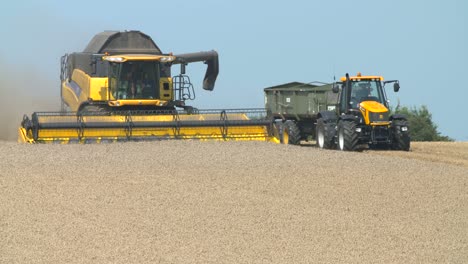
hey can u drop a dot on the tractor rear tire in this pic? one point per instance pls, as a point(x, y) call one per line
point(325, 135)
point(347, 136)
point(401, 139)
point(290, 133)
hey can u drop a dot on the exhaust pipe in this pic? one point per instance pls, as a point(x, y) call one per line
point(208, 57)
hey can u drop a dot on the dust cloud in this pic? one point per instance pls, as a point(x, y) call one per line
point(24, 90)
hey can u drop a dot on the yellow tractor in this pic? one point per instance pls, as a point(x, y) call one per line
point(362, 117)
point(350, 114)
point(120, 88)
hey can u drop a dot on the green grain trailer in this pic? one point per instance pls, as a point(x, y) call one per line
point(295, 106)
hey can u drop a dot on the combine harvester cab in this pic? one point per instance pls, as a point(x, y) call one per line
point(120, 89)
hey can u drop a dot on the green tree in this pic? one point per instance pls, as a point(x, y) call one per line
point(422, 128)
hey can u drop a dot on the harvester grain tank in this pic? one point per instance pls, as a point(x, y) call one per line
point(347, 115)
point(120, 88)
point(127, 71)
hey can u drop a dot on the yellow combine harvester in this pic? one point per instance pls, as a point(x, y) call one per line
point(120, 88)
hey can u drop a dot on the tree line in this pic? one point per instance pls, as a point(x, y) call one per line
point(422, 128)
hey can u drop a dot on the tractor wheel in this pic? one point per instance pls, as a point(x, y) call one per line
point(290, 133)
point(325, 135)
point(347, 136)
point(401, 139)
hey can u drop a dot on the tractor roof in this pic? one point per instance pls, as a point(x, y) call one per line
point(359, 77)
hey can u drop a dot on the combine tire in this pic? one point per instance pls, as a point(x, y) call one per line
point(347, 136)
point(401, 139)
point(290, 133)
point(325, 135)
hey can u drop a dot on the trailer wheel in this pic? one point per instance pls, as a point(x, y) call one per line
point(290, 133)
point(347, 136)
point(325, 135)
point(401, 137)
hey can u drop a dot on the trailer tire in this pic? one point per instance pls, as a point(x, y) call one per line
point(347, 136)
point(325, 134)
point(400, 139)
point(290, 133)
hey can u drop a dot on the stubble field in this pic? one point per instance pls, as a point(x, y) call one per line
point(232, 202)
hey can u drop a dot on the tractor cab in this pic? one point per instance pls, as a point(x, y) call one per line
point(366, 90)
point(357, 90)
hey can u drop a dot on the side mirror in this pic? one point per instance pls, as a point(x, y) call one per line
point(335, 88)
point(396, 87)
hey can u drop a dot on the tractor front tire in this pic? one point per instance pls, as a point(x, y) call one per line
point(401, 139)
point(347, 136)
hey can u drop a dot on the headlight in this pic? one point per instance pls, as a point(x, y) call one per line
point(358, 129)
point(166, 59)
point(404, 128)
point(115, 59)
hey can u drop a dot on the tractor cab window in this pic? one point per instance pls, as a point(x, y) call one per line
point(134, 80)
point(365, 90)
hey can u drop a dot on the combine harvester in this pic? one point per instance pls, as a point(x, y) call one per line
point(120, 89)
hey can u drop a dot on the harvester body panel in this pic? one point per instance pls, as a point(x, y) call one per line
point(82, 87)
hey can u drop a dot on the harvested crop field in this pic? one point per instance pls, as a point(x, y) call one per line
point(232, 202)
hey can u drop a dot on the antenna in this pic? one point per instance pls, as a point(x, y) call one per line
point(334, 75)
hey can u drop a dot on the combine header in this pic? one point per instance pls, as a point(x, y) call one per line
point(241, 124)
point(120, 89)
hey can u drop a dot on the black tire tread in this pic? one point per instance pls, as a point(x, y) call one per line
point(293, 131)
point(350, 135)
point(401, 140)
point(328, 133)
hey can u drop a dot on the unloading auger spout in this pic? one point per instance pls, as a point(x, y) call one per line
point(210, 58)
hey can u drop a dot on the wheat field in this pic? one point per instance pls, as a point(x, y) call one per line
point(232, 202)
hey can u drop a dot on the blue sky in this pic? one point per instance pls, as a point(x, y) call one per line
point(261, 43)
